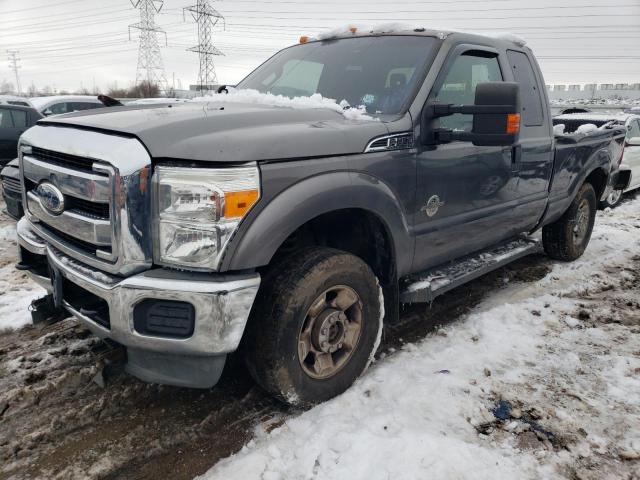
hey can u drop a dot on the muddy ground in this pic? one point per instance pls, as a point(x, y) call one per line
point(56, 421)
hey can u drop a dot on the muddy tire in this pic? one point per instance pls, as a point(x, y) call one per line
point(315, 325)
point(567, 238)
point(613, 200)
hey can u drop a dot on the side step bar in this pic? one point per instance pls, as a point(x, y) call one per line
point(426, 286)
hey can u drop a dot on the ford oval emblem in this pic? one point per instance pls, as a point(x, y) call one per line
point(51, 198)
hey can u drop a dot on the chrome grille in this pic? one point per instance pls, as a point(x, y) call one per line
point(104, 181)
point(11, 185)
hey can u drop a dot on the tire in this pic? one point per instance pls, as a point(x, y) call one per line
point(567, 238)
point(613, 200)
point(297, 310)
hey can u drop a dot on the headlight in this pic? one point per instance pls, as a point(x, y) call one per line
point(197, 211)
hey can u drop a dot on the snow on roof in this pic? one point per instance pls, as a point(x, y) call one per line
point(314, 101)
point(39, 102)
point(153, 101)
point(353, 29)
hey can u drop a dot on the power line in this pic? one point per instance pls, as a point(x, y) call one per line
point(13, 65)
point(150, 67)
point(206, 18)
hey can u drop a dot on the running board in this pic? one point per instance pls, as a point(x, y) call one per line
point(425, 286)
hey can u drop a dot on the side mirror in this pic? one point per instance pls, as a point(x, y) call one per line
point(496, 117)
point(47, 112)
point(633, 142)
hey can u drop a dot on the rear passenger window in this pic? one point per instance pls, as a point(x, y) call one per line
point(459, 85)
point(529, 92)
point(634, 129)
point(19, 118)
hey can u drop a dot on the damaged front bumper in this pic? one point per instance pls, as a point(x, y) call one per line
point(112, 307)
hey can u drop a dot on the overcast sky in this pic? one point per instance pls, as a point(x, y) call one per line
point(69, 43)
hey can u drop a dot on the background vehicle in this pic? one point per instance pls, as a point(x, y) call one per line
point(11, 188)
point(14, 120)
point(58, 104)
point(630, 161)
point(187, 231)
point(14, 100)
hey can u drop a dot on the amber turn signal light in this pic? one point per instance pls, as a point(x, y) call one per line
point(304, 39)
point(237, 204)
point(513, 123)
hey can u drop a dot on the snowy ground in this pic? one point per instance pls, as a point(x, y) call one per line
point(542, 380)
point(534, 373)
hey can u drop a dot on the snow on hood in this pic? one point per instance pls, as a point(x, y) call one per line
point(314, 101)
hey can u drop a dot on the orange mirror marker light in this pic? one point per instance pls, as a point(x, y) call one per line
point(304, 39)
point(513, 123)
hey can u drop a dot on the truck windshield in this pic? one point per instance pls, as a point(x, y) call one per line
point(380, 73)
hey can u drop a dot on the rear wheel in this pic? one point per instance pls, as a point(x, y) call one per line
point(614, 198)
point(315, 325)
point(567, 238)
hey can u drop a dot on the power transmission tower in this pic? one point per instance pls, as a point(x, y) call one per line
point(150, 68)
point(206, 17)
point(13, 65)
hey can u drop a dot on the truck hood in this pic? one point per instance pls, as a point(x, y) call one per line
point(231, 132)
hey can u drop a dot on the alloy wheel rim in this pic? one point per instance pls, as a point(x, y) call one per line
point(331, 332)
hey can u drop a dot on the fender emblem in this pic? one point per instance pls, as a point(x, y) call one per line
point(432, 206)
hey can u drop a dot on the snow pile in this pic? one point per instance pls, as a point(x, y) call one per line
point(544, 349)
point(558, 129)
point(586, 129)
point(16, 289)
point(314, 101)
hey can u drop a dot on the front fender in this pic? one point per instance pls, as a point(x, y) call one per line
point(265, 230)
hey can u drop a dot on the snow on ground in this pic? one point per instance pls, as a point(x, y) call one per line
point(539, 381)
point(16, 290)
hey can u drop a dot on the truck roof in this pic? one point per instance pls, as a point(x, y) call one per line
point(354, 30)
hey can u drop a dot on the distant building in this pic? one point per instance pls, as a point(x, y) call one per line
point(574, 87)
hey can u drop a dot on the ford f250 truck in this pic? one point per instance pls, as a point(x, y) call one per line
point(292, 229)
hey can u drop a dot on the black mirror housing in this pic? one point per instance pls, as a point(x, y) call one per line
point(496, 129)
point(496, 117)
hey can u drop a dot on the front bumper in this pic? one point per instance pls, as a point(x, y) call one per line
point(221, 302)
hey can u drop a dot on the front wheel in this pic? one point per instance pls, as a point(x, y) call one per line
point(315, 326)
point(567, 238)
point(614, 198)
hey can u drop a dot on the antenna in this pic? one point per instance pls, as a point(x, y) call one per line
point(12, 55)
point(206, 18)
point(150, 67)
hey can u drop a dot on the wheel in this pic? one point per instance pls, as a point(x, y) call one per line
point(315, 326)
point(567, 238)
point(614, 198)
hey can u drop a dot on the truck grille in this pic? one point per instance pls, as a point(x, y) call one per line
point(103, 187)
point(11, 185)
point(63, 159)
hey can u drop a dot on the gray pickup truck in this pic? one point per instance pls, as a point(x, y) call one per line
point(186, 232)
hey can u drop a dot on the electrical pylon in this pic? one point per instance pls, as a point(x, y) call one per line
point(206, 18)
point(13, 65)
point(150, 67)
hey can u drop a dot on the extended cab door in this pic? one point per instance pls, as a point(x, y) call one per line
point(533, 154)
point(465, 193)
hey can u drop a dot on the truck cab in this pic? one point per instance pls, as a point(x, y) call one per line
point(290, 218)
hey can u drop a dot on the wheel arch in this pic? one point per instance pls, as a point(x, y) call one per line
point(322, 198)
